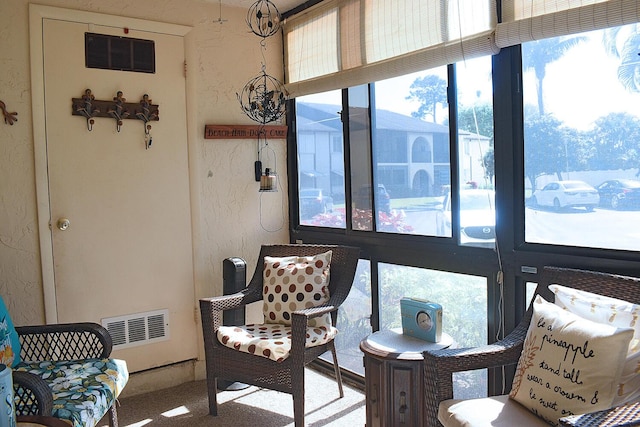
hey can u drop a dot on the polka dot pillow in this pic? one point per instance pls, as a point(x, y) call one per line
point(295, 283)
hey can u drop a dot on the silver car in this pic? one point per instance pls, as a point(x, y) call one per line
point(564, 194)
point(314, 201)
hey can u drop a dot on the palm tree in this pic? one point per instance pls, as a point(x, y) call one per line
point(623, 42)
point(539, 53)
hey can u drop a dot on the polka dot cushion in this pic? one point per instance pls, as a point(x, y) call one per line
point(272, 341)
point(295, 283)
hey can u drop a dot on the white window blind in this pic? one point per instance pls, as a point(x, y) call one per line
point(313, 45)
point(343, 43)
point(527, 20)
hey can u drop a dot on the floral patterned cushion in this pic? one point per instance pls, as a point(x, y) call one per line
point(83, 391)
point(270, 340)
point(294, 283)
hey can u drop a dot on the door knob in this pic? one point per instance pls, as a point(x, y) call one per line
point(63, 224)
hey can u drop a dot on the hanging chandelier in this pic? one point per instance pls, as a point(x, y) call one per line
point(263, 98)
point(263, 18)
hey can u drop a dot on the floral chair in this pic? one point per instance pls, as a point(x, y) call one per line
point(62, 371)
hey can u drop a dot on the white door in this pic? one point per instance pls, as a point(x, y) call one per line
point(127, 249)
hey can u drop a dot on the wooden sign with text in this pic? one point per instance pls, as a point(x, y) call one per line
point(244, 132)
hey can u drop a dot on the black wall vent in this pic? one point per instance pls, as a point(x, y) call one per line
point(119, 53)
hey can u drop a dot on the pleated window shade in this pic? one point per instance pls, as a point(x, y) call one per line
point(527, 20)
point(344, 43)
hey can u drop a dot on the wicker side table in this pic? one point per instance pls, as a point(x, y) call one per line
point(394, 385)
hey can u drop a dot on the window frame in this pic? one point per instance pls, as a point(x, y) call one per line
point(520, 261)
point(427, 252)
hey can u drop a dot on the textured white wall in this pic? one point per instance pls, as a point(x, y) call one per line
point(230, 217)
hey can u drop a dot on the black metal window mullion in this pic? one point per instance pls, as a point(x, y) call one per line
point(452, 100)
point(292, 167)
point(346, 156)
point(374, 157)
point(375, 295)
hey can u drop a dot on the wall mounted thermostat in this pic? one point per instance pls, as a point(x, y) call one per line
point(421, 319)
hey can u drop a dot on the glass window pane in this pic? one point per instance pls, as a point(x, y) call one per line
point(464, 305)
point(354, 321)
point(411, 151)
point(475, 156)
point(320, 160)
point(581, 139)
point(530, 291)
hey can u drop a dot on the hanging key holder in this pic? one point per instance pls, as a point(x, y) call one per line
point(117, 108)
point(147, 112)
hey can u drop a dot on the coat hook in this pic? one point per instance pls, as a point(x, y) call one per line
point(9, 118)
point(118, 111)
point(146, 115)
point(87, 109)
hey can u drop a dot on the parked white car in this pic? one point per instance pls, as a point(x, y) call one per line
point(563, 194)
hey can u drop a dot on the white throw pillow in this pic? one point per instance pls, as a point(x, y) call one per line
point(615, 312)
point(295, 283)
point(569, 365)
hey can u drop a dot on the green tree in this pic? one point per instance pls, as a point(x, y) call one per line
point(616, 140)
point(488, 164)
point(430, 91)
point(538, 54)
point(545, 149)
point(580, 149)
point(477, 119)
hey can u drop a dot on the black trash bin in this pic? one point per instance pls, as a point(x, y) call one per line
point(234, 279)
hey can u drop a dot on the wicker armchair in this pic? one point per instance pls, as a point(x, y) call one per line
point(57, 343)
point(288, 375)
point(441, 364)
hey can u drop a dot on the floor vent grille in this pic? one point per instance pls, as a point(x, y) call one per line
point(138, 329)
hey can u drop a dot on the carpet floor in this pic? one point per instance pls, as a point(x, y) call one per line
point(187, 405)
